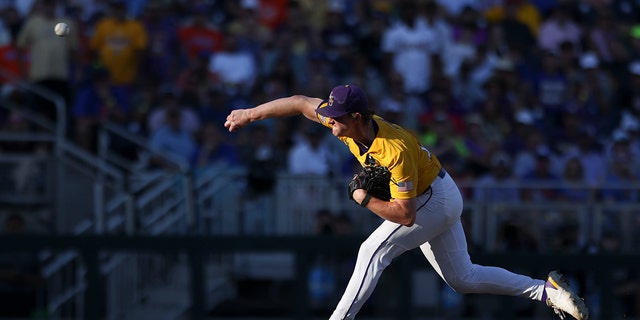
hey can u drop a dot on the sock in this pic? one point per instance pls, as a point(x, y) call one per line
point(547, 284)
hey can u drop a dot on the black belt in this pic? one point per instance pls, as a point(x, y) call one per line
point(441, 175)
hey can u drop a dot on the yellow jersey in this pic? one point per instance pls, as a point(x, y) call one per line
point(413, 167)
point(117, 43)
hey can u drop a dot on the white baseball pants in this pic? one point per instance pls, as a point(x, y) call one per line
point(439, 234)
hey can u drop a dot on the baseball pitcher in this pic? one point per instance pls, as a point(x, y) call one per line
point(405, 184)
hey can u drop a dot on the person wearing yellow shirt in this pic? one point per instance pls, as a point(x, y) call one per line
point(524, 12)
point(118, 44)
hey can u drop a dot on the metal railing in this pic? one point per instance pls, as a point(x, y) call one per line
point(150, 202)
point(111, 195)
point(163, 197)
point(303, 248)
point(220, 202)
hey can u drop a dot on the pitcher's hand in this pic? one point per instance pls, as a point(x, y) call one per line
point(237, 119)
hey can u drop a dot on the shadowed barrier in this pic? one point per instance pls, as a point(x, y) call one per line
point(303, 248)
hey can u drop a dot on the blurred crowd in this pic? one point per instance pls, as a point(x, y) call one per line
point(501, 90)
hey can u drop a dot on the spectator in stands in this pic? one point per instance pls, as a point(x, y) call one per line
point(251, 35)
point(634, 42)
point(588, 150)
point(10, 59)
point(370, 77)
point(557, 28)
point(163, 51)
point(13, 18)
point(198, 36)
point(119, 43)
point(480, 146)
point(172, 142)
point(408, 44)
point(628, 96)
point(20, 276)
point(520, 10)
point(631, 127)
point(462, 39)
point(26, 176)
point(213, 150)
point(213, 106)
point(467, 85)
point(440, 136)
point(569, 59)
point(542, 179)
point(620, 171)
point(142, 102)
point(568, 135)
point(551, 85)
point(95, 102)
point(338, 41)
point(391, 104)
point(49, 64)
point(605, 39)
point(262, 158)
point(232, 69)
point(297, 43)
point(523, 124)
point(495, 111)
point(441, 102)
point(193, 81)
point(497, 45)
point(497, 185)
point(596, 88)
point(574, 187)
point(370, 38)
point(169, 100)
point(309, 155)
point(520, 22)
point(272, 13)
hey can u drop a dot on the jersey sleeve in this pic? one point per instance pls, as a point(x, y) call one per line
point(402, 185)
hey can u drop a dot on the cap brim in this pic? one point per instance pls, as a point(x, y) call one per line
point(330, 112)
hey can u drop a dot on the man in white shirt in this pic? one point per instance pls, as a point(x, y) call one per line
point(233, 69)
point(309, 155)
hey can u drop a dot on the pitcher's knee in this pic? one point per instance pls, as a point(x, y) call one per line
point(462, 285)
point(368, 248)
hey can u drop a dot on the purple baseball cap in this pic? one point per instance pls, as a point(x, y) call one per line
point(344, 99)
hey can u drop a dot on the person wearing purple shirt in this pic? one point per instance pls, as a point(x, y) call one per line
point(551, 87)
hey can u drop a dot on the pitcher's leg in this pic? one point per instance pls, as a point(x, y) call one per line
point(375, 254)
point(448, 255)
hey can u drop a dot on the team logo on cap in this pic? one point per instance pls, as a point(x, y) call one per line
point(332, 98)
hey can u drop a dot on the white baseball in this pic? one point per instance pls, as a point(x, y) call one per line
point(61, 29)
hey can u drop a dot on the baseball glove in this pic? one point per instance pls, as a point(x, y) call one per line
point(375, 179)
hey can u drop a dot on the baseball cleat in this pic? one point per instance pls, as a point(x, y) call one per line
point(562, 299)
